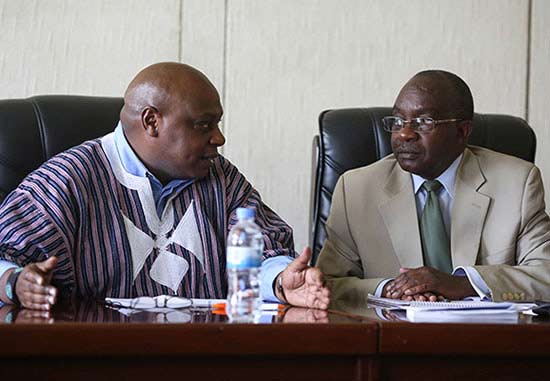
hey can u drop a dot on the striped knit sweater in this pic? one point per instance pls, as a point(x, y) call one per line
point(101, 223)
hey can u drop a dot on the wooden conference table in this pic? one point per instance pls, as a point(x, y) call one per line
point(88, 341)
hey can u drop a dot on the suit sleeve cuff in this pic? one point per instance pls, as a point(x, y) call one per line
point(477, 282)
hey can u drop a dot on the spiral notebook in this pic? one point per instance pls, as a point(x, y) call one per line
point(459, 305)
point(441, 306)
point(462, 311)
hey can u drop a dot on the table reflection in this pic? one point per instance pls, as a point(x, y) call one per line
point(94, 312)
point(344, 311)
point(303, 315)
point(97, 312)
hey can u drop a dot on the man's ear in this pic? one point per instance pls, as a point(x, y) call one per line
point(150, 121)
point(464, 129)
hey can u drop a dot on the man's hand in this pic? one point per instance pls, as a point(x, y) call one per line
point(303, 285)
point(25, 316)
point(411, 284)
point(304, 315)
point(425, 297)
point(33, 285)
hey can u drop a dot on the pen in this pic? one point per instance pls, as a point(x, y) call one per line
point(272, 307)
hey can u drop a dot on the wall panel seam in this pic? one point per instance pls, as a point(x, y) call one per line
point(528, 68)
point(180, 32)
point(225, 53)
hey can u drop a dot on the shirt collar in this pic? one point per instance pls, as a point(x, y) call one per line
point(447, 178)
point(133, 165)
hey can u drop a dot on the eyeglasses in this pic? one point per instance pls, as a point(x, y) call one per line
point(147, 302)
point(419, 125)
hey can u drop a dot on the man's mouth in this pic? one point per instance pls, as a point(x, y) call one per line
point(407, 154)
point(210, 157)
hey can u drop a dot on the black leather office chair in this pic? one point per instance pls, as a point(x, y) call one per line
point(34, 129)
point(352, 138)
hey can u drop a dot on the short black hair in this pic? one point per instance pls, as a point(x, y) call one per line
point(463, 95)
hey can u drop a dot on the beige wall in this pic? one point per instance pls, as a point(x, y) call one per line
point(80, 46)
point(278, 63)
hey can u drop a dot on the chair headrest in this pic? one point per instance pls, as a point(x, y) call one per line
point(34, 129)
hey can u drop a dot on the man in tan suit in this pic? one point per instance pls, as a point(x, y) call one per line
point(438, 218)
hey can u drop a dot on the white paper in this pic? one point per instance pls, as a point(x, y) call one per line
point(452, 305)
point(462, 316)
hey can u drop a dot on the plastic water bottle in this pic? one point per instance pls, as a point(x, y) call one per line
point(245, 246)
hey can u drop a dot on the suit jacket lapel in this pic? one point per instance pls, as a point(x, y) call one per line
point(401, 219)
point(469, 211)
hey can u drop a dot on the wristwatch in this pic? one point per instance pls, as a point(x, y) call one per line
point(10, 285)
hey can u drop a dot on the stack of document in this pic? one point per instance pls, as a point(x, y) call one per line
point(452, 312)
point(462, 312)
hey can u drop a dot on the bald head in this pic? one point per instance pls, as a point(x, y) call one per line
point(448, 92)
point(161, 86)
point(170, 118)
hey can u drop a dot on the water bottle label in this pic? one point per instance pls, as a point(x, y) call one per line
point(243, 257)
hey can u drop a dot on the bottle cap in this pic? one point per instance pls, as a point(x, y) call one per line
point(245, 213)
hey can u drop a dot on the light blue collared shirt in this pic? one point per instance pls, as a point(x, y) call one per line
point(133, 165)
point(445, 196)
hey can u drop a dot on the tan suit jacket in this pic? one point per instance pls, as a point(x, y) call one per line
point(498, 225)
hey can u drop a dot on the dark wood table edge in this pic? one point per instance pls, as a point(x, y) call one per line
point(84, 339)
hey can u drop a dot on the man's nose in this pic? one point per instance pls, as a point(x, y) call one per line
point(217, 138)
point(407, 133)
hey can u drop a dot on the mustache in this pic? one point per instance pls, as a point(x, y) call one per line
point(406, 148)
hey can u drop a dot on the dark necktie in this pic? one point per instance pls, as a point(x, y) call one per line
point(435, 243)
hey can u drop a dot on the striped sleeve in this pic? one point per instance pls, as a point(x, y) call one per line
point(278, 238)
point(38, 219)
point(28, 235)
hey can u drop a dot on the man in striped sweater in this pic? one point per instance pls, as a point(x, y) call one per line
point(144, 210)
